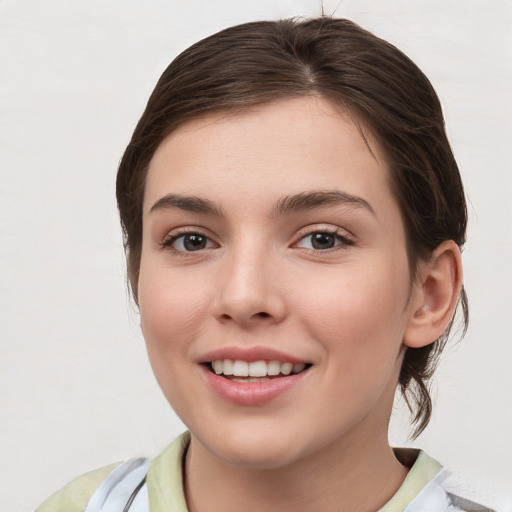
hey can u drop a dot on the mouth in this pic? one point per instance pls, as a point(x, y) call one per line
point(254, 371)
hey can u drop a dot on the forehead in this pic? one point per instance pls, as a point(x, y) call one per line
point(286, 147)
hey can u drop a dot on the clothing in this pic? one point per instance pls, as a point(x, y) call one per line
point(425, 489)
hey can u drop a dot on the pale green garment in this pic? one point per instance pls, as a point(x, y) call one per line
point(165, 483)
point(75, 495)
point(423, 470)
point(165, 478)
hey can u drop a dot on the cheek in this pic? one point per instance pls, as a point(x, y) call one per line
point(360, 311)
point(170, 309)
point(171, 316)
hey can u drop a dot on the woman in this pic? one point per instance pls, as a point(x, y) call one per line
point(293, 219)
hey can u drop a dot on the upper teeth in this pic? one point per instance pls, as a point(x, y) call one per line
point(255, 368)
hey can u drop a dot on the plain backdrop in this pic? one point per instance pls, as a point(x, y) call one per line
point(76, 390)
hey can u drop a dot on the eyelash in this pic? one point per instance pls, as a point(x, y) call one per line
point(343, 241)
point(168, 242)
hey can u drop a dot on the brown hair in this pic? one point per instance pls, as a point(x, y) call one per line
point(386, 93)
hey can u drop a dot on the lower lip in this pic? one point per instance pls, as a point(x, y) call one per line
point(251, 393)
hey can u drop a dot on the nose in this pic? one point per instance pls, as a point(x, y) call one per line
point(248, 291)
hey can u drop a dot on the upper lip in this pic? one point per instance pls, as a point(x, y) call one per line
point(250, 354)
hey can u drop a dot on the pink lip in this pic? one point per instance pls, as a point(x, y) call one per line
point(250, 354)
point(250, 393)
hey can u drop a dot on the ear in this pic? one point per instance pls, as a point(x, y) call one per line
point(434, 296)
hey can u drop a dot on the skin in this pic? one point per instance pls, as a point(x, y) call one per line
point(349, 310)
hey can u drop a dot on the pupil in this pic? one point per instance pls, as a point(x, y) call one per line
point(322, 241)
point(194, 242)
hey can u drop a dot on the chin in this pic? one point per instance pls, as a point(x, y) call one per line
point(260, 457)
point(259, 449)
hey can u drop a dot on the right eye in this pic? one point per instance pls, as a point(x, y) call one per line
point(188, 242)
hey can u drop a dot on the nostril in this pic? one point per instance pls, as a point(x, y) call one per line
point(262, 314)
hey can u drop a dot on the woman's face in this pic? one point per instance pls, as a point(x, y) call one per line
point(272, 242)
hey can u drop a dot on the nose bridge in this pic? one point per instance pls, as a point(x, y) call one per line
point(247, 289)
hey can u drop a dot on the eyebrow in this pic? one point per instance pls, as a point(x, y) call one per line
point(284, 206)
point(315, 199)
point(188, 203)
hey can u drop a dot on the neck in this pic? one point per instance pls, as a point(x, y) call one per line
point(350, 476)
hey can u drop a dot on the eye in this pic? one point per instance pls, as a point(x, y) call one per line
point(188, 242)
point(323, 240)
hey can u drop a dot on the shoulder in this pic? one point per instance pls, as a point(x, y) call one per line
point(440, 496)
point(94, 490)
point(74, 496)
point(429, 487)
point(461, 496)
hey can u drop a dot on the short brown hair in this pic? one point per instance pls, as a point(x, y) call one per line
point(385, 92)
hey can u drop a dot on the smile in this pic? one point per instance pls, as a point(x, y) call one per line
point(254, 382)
point(254, 371)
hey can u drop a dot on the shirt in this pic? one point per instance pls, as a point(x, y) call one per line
point(426, 487)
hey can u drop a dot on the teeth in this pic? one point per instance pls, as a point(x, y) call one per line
point(255, 369)
point(217, 367)
point(258, 369)
point(286, 368)
point(274, 368)
point(227, 367)
point(240, 368)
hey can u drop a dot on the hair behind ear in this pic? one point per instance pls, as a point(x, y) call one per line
point(438, 294)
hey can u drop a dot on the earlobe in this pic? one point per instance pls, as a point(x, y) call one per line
point(434, 296)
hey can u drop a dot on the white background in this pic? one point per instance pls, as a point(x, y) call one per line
point(76, 389)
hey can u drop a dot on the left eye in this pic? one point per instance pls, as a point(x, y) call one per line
point(190, 242)
point(322, 240)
